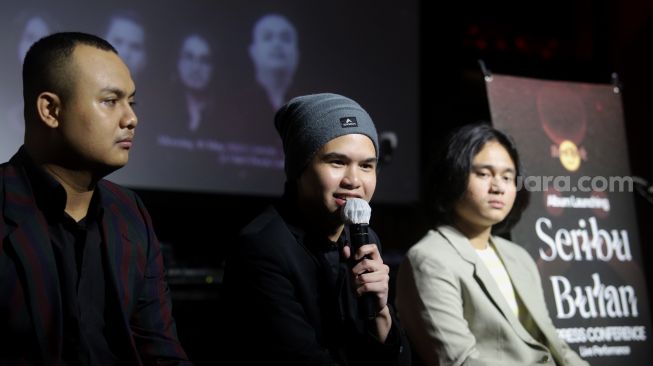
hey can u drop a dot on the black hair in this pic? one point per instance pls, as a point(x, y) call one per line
point(47, 65)
point(450, 175)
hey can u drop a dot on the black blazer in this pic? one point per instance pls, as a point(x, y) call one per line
point(31, 315)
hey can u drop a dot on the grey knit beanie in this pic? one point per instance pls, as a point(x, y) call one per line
point(308, 122)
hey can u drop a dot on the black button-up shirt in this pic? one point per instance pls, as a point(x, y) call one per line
point(77, 248)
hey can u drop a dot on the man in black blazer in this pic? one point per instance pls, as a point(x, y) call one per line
point(292, 283)
point(81, 271)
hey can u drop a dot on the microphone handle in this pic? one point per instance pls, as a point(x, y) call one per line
point(367, 303)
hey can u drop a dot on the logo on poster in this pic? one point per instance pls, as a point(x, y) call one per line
point(562, 115)
point(569, 156)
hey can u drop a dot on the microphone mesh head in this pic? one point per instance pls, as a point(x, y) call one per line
point(356, 211)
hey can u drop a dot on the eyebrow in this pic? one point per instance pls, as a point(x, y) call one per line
point(335, 155)
point(118, 92)
point(492, 167)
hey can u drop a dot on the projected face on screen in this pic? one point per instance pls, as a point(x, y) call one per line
point(210, 76)
point(274, 44)
point(194, 64)
point(128, 37)
point(35, 28)
point(275, 55)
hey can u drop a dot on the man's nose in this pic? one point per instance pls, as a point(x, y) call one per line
point(130, 120)
point(351, 179)
point(497, 185)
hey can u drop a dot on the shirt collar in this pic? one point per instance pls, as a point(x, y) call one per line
point(50, 195)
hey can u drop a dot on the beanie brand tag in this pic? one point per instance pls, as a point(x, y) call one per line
point(347, 122)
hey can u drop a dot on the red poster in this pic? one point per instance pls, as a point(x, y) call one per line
point(581, 226)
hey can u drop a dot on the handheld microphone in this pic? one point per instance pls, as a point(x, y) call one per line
point(356, 213)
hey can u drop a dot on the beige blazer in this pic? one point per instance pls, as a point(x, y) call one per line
point(455, 314)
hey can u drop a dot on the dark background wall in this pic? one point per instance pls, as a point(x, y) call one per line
point(577, 40)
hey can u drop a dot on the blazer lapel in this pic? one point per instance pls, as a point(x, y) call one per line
point(118, 252)
point(485, 279)
point(520, 279)
point(119, 260)
point(30, 239)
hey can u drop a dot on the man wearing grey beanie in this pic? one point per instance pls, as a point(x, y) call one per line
point(292, 283)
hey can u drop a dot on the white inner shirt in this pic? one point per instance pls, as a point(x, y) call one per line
point(498, 271)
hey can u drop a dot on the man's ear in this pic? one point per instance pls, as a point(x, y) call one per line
point(48, 106)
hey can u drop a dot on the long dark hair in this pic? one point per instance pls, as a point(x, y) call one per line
point(450, 175)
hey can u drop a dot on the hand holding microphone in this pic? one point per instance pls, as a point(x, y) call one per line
point(371, 275)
